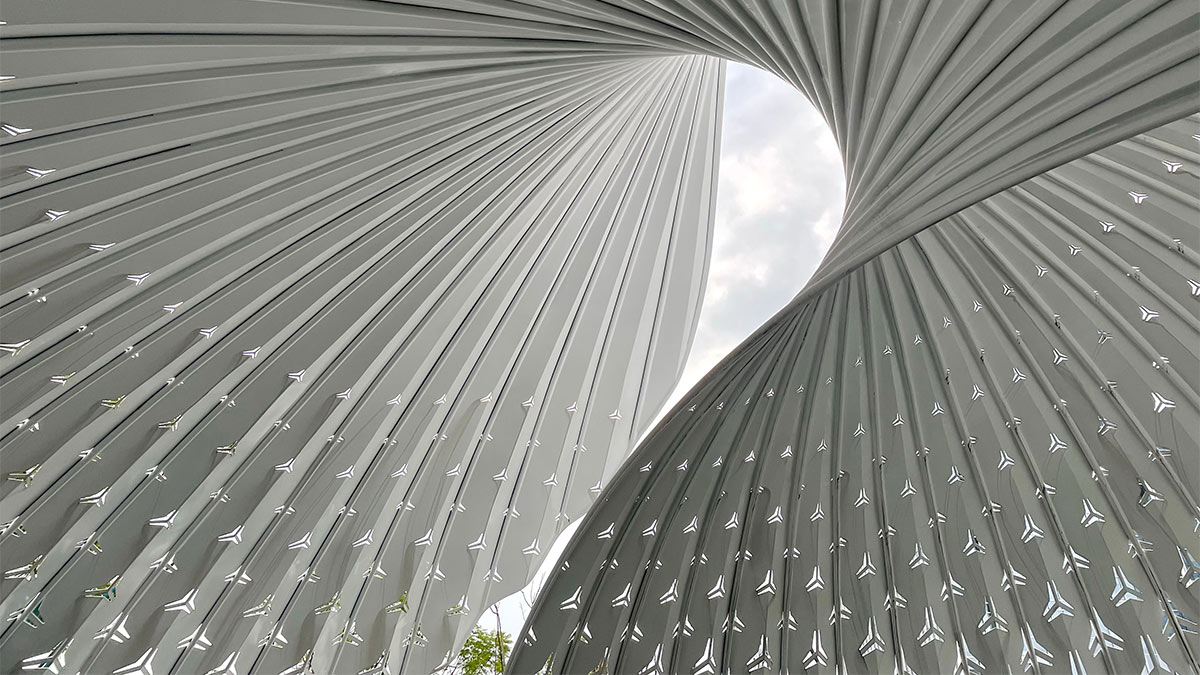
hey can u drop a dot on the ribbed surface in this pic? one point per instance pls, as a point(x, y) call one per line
point(937, 105)
point(430, 297)
point(485, 226)
point(1009, 395)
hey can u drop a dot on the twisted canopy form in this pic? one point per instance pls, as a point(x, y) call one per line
point(976, 451)
point(322, 318)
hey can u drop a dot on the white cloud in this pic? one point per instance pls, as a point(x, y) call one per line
point(779, 205)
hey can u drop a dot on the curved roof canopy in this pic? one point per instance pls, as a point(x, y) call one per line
point(321, 319)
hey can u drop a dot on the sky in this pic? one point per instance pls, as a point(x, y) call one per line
point(779, 203)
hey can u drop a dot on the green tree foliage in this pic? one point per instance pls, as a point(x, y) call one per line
point(485, 652)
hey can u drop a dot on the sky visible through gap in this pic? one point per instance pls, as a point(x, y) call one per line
point(779, 203)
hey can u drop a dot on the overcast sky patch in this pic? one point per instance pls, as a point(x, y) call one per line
point(779, 204)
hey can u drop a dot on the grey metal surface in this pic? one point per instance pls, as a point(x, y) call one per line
point(976, 453)
point(442, 306)
point(485, 225)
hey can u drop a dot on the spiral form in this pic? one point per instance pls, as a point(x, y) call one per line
point(322, 318)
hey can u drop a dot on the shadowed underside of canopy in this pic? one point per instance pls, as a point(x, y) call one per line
point(322, 319)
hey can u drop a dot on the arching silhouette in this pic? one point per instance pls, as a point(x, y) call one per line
point(323, 317)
